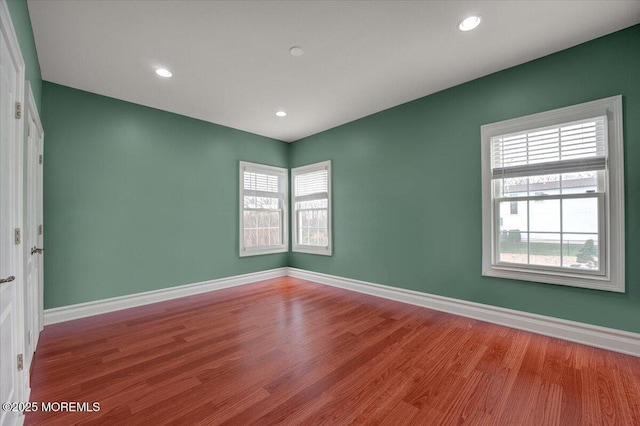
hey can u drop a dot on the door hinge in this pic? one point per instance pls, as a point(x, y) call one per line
point(17, 235)
point(40, 159)
point(39, 229)
point(18, 110)
point(20, 362)
point(28, 130)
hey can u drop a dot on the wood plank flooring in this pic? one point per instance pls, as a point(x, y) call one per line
point(288, 351)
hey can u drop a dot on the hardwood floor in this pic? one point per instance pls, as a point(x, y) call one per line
point(288, 351)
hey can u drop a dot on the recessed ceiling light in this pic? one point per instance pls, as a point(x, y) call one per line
point(163, 72)
point(469, 23)
point(281, 114)
point(296, 51)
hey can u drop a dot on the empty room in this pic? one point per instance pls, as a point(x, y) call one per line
point(319, 212)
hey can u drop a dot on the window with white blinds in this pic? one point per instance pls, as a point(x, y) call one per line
point(311, 189)
point(263, 209)
point(572, 147)
point(553, 197)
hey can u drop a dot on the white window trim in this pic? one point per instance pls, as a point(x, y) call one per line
point(303, 248)
point(614, 227)
point(281, 248)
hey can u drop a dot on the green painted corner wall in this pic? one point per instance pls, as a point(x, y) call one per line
point(138, 199)
point(22, 23)
point(407, 190)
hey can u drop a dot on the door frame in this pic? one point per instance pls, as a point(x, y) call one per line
point(33, 306)
point(16, 148)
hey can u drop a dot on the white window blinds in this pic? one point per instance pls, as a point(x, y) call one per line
point(312, 186)
point(255, 182)
point(572, 147)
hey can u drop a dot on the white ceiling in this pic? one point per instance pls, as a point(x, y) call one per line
point(232, 66)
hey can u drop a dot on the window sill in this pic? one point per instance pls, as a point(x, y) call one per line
point(323, 251)
point(259, 251)
point(596, 282)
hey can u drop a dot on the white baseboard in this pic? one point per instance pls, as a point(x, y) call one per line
point(82, 310)
point(592, 335)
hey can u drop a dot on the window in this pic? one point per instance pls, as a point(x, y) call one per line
point(311, 189)
point(263, 209)
point(553, 197)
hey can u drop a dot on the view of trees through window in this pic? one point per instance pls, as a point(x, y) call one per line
point(262, 228)
point(312, 222)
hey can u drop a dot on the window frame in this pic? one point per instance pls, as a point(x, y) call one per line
point(283, 175)
point(295, 245)
point(611, 233)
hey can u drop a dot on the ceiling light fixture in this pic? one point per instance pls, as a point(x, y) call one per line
point(163, 72)
point(281, 114)
point(469, 23)
point(296, 51)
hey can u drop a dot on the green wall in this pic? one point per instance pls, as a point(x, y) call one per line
point(138, 199)
point(22, 24)
point(407, 190)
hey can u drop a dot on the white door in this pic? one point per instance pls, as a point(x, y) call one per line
point(11, 80)
point(32, 229)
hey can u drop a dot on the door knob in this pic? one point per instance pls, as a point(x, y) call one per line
point(36, 250)
point(7, 280)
